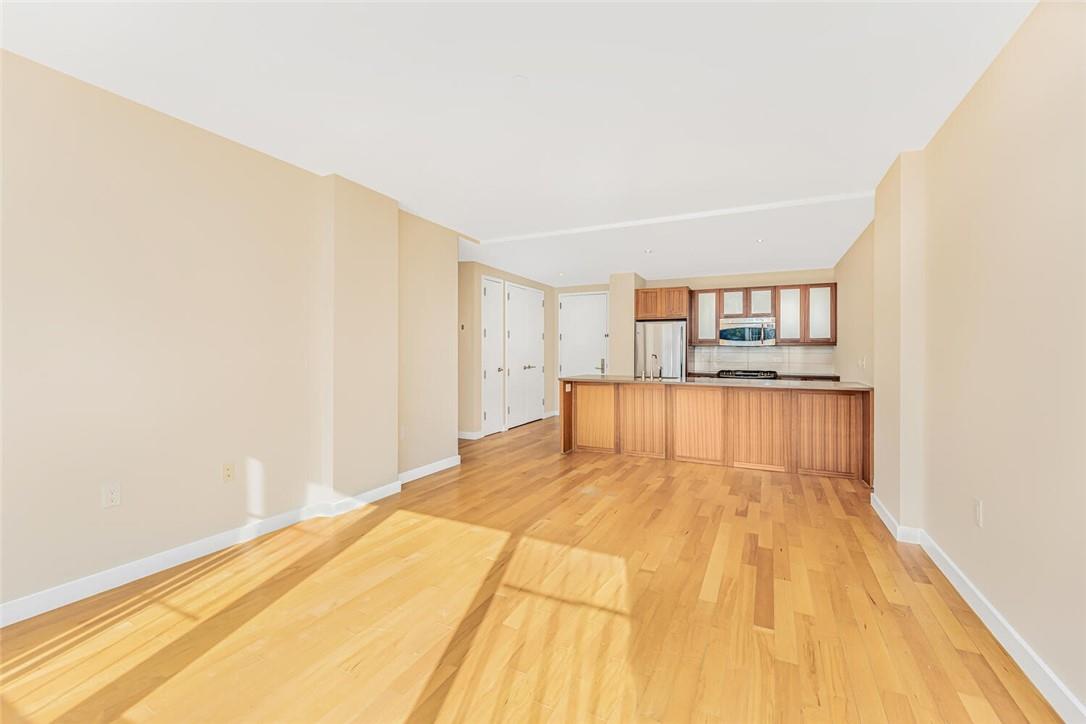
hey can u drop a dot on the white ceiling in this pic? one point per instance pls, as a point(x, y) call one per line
point(518, 120)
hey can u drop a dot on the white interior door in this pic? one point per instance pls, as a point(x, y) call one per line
point(524, 354)
point(582, 334)
point(493, 355)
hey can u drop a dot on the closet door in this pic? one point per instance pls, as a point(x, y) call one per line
point(524, 354)
point(493, 356)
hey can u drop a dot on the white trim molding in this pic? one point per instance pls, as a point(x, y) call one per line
point(469, 435)
point(730, 211)
point(551, 413)
point(903, 533)
point(72, 591)
point(1062, 699)
point(435, 467)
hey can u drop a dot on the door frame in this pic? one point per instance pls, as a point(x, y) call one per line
point(606, 327)
point(505, 347)
point(482, 356)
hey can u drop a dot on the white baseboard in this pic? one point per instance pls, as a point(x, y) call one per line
point(1062, 699)
point(903, 533)
point(435, 467)
point(469, 435)
point(72, 591)
point(552, 413)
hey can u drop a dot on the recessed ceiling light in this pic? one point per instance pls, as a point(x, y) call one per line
point(561, 274)
point(759, 241)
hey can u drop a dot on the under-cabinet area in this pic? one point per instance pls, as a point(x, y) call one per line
point(803, 427)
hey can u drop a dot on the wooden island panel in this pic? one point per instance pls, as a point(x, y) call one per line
point(829, 432)
point(643, 420)
point(594, 425)
point(697, 424)
point(809, 431)
point(758, 424)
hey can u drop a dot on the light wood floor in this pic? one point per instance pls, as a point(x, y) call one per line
point(526, 586)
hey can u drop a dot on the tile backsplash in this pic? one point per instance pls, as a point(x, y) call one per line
point(786, 360)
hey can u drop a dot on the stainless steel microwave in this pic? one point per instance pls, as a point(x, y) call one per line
point(748, 332)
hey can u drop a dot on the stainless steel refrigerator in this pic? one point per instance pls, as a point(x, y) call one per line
point(660, 350)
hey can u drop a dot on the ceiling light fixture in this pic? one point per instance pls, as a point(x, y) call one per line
point(648, 251)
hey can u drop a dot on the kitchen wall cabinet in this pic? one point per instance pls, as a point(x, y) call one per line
point(733, 302)
point(821, 327)
point(761, 302)
point(807, 314)
point(662, 303)
point(748, 302)
point(705, 316)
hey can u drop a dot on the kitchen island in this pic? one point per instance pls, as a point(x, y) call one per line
point(812, 427)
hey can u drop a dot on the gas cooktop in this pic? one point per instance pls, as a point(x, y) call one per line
point(749, 374)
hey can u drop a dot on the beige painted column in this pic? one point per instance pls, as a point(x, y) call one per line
point(899, 338)
point(620, 311)
point(361, 423)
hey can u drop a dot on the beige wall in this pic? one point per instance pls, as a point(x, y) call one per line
point(159, 292)
point(582, 289)
point(620, 322)
point(887, 339)
point(470, 354)
point(173, 301)
point(899, 338)
point(428, 342)
point(365, 330)
point(1006, 391)
point(854, 356)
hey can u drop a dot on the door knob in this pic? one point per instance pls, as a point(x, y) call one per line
point(501, 370)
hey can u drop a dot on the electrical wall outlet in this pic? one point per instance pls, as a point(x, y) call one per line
point(229, 472)
point(978, 512)
point(111, 495)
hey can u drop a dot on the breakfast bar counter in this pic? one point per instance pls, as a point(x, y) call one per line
point(812, 427)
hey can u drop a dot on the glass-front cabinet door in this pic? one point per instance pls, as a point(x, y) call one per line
point(821, 314)
point(761, 302)
point(790, 315)
point(705, 307)
point(733, 303)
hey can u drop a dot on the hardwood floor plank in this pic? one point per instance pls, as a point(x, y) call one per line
point(530, 586)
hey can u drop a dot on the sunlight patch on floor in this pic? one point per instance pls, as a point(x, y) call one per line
point(344, 606)
point(554, 644)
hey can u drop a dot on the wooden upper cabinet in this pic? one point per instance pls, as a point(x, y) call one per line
point(807, 314)
point(821, 324)
point(748, 302)
point(705, 316)
point(790, 315)
point(733, 303)
point(676, 302)
point(761, 302)
point(662, 303)
point(647, 304)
